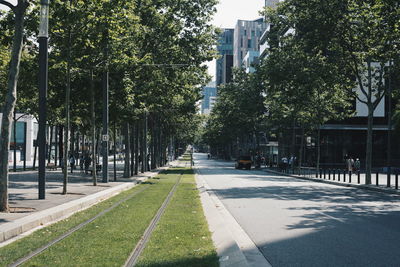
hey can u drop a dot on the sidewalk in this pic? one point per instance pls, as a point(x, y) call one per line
point(353, 182)
point(28, 212)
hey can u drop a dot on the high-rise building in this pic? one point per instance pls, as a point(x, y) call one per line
point(251, 59)
point(264, 45)
point(209, 94)
point(224, 63)
point(271, 3)
point(246, 38)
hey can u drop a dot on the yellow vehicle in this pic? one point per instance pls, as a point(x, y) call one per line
point(243, 162)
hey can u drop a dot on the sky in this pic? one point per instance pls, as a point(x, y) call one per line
point(229, 11)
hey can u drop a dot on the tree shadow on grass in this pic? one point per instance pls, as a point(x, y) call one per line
point(206, 261)
point(178, 171)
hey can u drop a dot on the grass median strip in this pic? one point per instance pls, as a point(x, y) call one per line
point(182, 237)
point(109, 240)
point(24, 246)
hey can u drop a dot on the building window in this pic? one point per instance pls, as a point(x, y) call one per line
point(249, 43)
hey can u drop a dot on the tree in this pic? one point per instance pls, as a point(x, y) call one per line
point(237, 114)
point(368, 36)
point(11, 96)
point(307, 82)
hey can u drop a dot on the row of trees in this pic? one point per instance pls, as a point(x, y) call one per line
point(322, 56)
point(152, 52)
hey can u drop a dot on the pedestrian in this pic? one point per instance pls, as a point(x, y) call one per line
point(346, 159)
point(72, 162)
point(350, 163)
point(258, 161)
point(357, 165)
point(88, 162)
point(81, 162)
point(284, 164)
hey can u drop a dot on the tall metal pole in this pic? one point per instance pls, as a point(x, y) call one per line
point(389, 140)
point(43, 79)
point(15, 140)
point(105, 127)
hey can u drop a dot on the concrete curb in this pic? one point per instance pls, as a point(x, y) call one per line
point(231, 241)
point(358, 186)
point(54, 214)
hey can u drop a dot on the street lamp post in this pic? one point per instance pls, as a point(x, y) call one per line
point(105, 125)
point(43, 79)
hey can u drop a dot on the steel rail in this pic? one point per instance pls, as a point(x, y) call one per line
point(137, 251)
point(73, 230)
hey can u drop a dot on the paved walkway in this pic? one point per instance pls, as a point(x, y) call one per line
point(28, 212)
point(334, 177)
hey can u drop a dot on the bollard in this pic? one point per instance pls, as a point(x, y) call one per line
point(358, 177)
point(338, 175)
point(377, 178)
point(350, 174)
point(316, 173)
point(397, 181)
point(344, 176)
point(329, 174)
point(388, 178)
point(320, 173)
point(324, 173)
point(334, 174)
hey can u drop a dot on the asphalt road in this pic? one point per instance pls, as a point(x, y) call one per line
point(300, 223)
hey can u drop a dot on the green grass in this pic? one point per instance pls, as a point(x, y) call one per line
point(110, 239)
point(37, 239)
point(185, 157)
point(182, 237)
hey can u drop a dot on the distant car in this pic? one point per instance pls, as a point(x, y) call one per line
point(243, 162)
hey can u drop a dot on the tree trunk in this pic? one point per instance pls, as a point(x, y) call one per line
point(142, 149)
point(115, 152)
point(318, 148)
point(15, 140)
point(97, 144)
point(137, 144)
point(10, 101)
point(50, 144)
point(127, 152)
point(25, 134)
point(301, 150)
point(55, 146)
point(67, 116)
point(72, 141)
point(153, 144)
point(368, 157)
point(145, 159)
point(60, 143)
point(132, 149)
point(93, 122)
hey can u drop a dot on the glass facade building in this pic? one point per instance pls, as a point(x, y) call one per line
point(246, 38)
point(224, 62)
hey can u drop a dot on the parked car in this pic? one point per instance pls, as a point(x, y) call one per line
point(243, 162)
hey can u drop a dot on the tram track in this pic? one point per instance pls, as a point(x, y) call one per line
point(141, 245)
point(74, 229)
